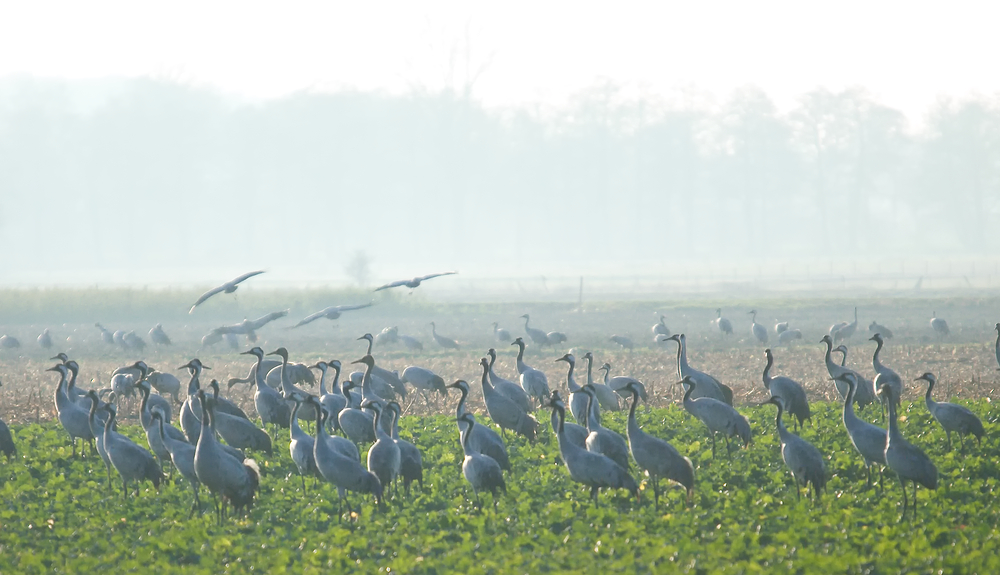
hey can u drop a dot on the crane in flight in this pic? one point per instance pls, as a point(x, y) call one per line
point(331, 313)
point(412, 283)
point(228, 287)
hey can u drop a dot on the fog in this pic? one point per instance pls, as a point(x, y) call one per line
point(152, 182)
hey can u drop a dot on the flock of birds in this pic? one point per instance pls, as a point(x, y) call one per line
point(360, 414)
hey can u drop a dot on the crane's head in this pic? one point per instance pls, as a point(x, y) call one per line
point(281, 352)
point(687, 380)
point(72, 366)
point(826, 339)
point(767, 354)
point(142, 367)
point(928, 377)
point(255, 351)
point(59, 368)
point(368, 337)
point(518, 342)
point(675, 337)
point(493, 353)
point(320, 365)
point(997, 327)
point(64, 358)
point(568, 358)
point(606, 367)
point(526, 316)
point(459, 384)
point(841, 348)
point(367, 360)
point(334, 364)
point(485, 362)
point(877, 338)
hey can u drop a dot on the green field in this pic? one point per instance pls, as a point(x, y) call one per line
point(58, 516)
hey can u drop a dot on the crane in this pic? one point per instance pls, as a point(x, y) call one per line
point(481, 471)
point(587, 467)
point(907, 460)
point(660, 330)
point(413, 283)
point(331, 313)
point(383, 377)
point(513, 391)
point(383, 455)
point(885, 375)
point(45, 339)
point(270, 405)
point(182, 456)
point(505, 412)
point(624, 341)
point(72, 417)
point(533, 381)
point(939, 326)
point(133, 463)
point(801, 457)
point(482, 439)
point(411, 466)
point(226, 476)
point(707, 386)
point(578, 400)
point(864, 394)
point(424, 380)
point(346, 473)
point(716, 415)
point(617, 385)
point(158, 336)
point(228, 287)
point(601, 439)
point(951, 416)
point(790, 391)
point(656, 456)
point(867, 438)
point(499, 333)
point(539, 337)
point(725, 326)
point(757, 330)
point(606, 397)
point(847, 330)
point(7, 446)
point(239, 432)
point(333, 401)
point(445, 342)
point(876, 327)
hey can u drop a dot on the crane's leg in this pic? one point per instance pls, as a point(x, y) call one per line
point(914, 512)
point(948, 435)
point(303, 483)
point(72, 440)
point(107, 467)
point(868, 475)
point(594, 492)
point(961, 438)
point(712, 435)
point(905, 502)
point(124, 489)
point(729, 451)
point(656, 492)
point(798, 492)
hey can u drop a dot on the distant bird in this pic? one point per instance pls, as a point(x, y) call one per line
point(499, 333)
point(885, 375)
point(7, 441)
point(481, 471)
point(788, 336)
point(412, 283)
point(660, 330)
point(587, 467)
point(228, 287)
point(106, 335)
point(656, 456)
point(951, 416)
point(939, 326)
point(724, 325)
point(411, 343)
point(534, 382)
point(513, 391)
point(757, 330)
point(158, 336)
point(249, 327)
point(9, 342)
point(907, 460)
point(792, 395)
point(331, 313)
point(424, 380)
point(624, 341)
point(445, 342)
point(45, 340)
point(716, 415)
point(801, 457)
point(555, 337)
point(132, 342)
point(388, 335)
point(867, 438)
point(707, 386)
point(538, 336)
point(617, 385)
point(847, 330)
point(165, 384)
point(878, 328)
point(780, 327)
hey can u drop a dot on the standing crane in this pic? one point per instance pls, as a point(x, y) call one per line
point(716, 415)
point(346, 473)
point(505, 412)
point(801, 457)
point(757, 330)
point(235, 481)
point(271, 407)
point(939, 326)
point(158, 336)
point(578, 400)
point(533, 381)
point(481, 471)
point(791, 392)
point(482, 439)
point(725, 326)
point(499, 333)
point(74, 419)
point(846, 330)
point(445, 342)
point(411, 466)
point(601, 439)
point(867, 438)
point(300, 446)
point(590, 468)
point(660, 330)
point(707, 386)
point(885, 375)
point(656, 456)
point(907, 460)
point(133, 463)
point(513, 391)
point(539, 337)
point(951, 416)
point(383, 455)
point(181, 455)
point(864, 394)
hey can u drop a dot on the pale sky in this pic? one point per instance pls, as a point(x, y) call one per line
point(905, 53)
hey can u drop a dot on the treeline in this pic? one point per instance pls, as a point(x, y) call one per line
point(104, 174)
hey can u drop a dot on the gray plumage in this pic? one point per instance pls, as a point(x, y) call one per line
point(346, 473)
point(885, 375)
point(499, 333)
point(533, 381)
point(792, 395)
point(413, 283)
point(411, 465)
point(482, 439)
point(951, 416)
point(481, 471)
point(238, 432)
point(847, 330)
point(7, 446)
point(423, 379)
point(656, 456)
point(228, 287)
point(801, 457)
point(383, 456)
point(445, 342)
point(724, 325)
point(45, 339)
point(604, 441)
point(757, 330)
point(182, 456)
point(707, 386)
point(939, 326)
point(607, 398)
point(270, 405)
point(133, 463)
point(660, 330)
point(334, 400)
point(578, 399)
point(867, 438)
point(505, 412)
point(907, 460)
point(875, 327)
point(230, 478)
point(864, 394)
point(717, 416)
point(158, 336)
point(330, 313)
point(73, 418)
point(300, 446)
point(511, 390)
point(539, 337)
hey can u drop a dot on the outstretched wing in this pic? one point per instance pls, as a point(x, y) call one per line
point(264, 320)
point(205, 296)
point(312, 318)
point(392, 285)
point(427, 277)
point(343, 308)
point(245, 277)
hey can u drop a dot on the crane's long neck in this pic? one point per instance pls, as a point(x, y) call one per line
point(767, 371)
point(335, 386)
point(371, 343)
point(322, 381)
point(487, 387)
point(320, 431)
point(194, 385)
point(570, 380)
point(830, 365)
point(876, 362)
point(633, 427)
point(144, 415)
point(366, 381)
point(493, 375)
point(465, 433)
point(72, 379)
point(520, 357)
point(61, 398)
point(380, 433)
point(782, 431)
point(293, 422)
point(460, 408)
point(927, 396)
point(258, 376)
point(893, 427)
point(682, 356)
point(591, 422)
point(590, 369)
point(852, 387)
